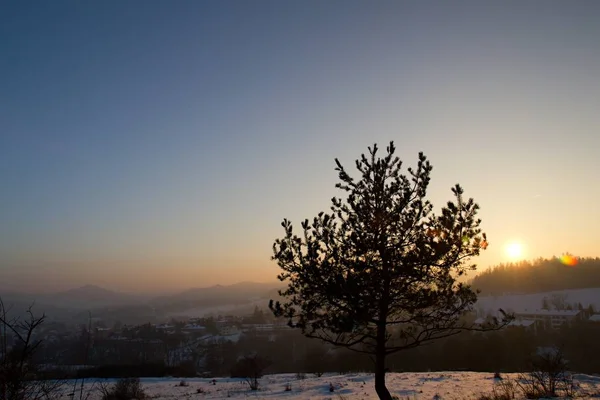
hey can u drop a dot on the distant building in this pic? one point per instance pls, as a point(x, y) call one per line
point(594, 318)
point(102, 333)
point(162, 327)
point(527, 324)
point(264, 327)
point(229, 330)
point(194, 328)
point(553, 319)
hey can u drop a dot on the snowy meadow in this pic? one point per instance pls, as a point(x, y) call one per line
point(428, 385)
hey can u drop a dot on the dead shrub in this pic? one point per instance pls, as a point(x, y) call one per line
point(124, 389)
point(549, 376)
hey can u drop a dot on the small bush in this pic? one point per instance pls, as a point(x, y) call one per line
point(497, 376)
point(300, 376)
point(250, 368)
point(200, 390)
point(288, 387)
point(183, 384)
point(504, 390)
point(549, 377)
point(125, 389)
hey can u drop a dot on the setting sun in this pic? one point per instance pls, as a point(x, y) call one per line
point(514, 250)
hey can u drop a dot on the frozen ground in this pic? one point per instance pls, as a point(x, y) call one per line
point(444, 385)
point(523, 302)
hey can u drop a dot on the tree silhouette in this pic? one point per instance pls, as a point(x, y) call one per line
point(251, 368)
point(545, 303)
point(539, 275)
point(379, 273)
point(18, 369)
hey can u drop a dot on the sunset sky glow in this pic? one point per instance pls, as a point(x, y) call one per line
point(154, 146)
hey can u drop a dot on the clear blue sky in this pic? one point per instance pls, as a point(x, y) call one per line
point(153, 145)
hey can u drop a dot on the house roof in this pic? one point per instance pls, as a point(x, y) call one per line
point(193, 327)
point(522, 322)
point(551, 313)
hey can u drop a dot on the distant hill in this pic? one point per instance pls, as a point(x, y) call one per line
point(75, 304)
point(219, 295)
point(542, 275)
point(85, 297)
point(91, 296)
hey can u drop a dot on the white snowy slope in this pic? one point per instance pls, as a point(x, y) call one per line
point(524, 302)
point(434, 385)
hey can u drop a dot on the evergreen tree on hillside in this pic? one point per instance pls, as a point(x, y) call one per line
point(541, 275)
point(379, 273)
point(545, 304)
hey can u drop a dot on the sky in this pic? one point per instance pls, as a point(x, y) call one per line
point(155, 146)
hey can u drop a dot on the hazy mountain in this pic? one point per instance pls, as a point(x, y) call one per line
point(84, 297)
point(111, 306)
point(91, 296)
point(218, 295)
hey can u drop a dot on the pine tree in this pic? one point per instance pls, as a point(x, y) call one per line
point(545, 304)
point(379, 273)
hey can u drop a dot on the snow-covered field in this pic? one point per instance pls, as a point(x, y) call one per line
point(523, 302)
point(444, 385)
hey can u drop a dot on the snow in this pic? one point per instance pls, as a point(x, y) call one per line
point(522, 302)
point(551, 313)
point(523, 322)
point(414, 386)
point(595, 318)
point(194, 327)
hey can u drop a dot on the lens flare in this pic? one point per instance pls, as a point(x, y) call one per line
point(569, 260)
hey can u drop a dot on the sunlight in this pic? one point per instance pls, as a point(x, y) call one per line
point(514, 250)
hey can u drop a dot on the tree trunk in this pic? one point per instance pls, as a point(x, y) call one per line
point(380, 355)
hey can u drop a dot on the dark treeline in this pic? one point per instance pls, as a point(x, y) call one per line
point(541, 275)
point(148, 351)
point(509, 350)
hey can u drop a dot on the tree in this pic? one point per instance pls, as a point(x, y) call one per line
point(591, 309)
point(316, 360)
point(257, 317)
point(19, 375)
point(379, 273)
point(545, 303)
point(251, 368)
point(124, 389)
point(549, 376)
point(559, 301)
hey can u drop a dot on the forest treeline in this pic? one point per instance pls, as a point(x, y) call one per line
point(541, 275)
point(508, 350)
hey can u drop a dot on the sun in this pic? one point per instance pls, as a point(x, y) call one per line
point(514, 250)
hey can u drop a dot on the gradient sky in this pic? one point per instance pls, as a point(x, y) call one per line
point(154, 145)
